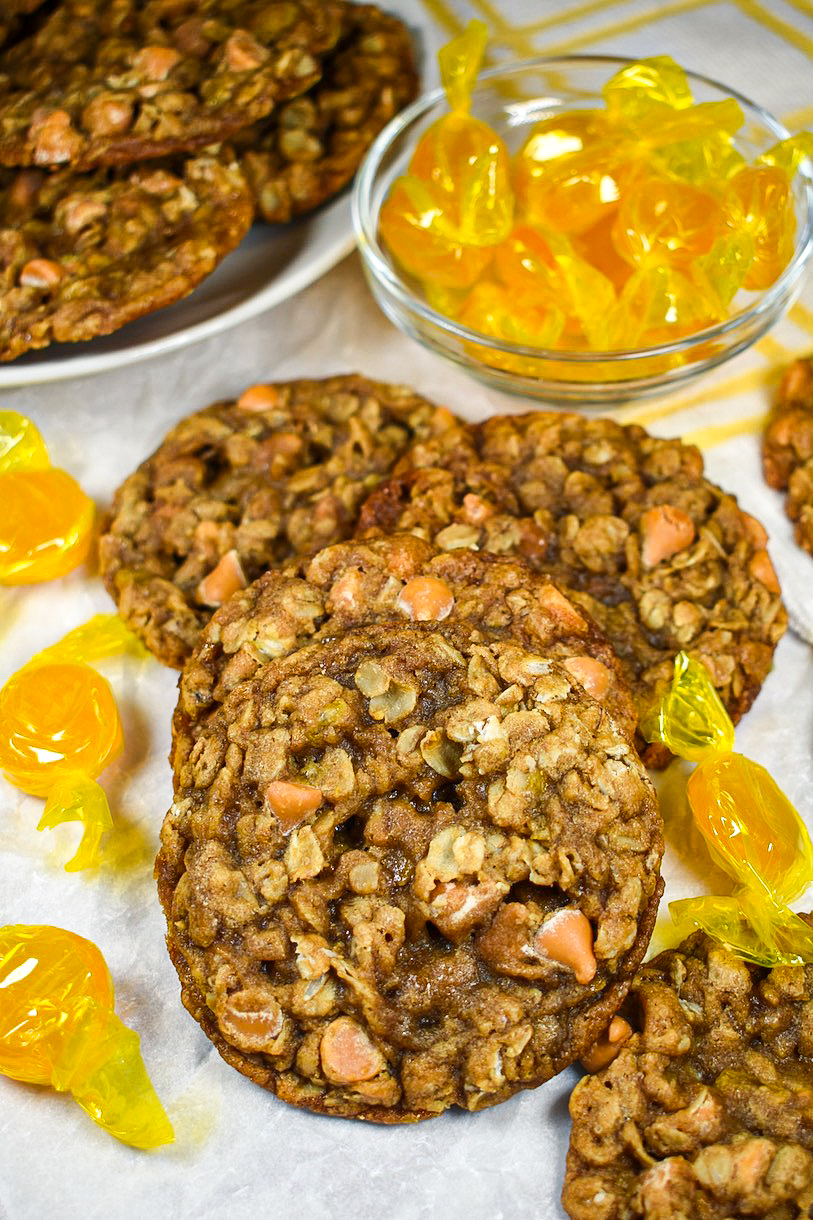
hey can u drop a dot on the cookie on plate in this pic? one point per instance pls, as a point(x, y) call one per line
point(82, 254)
point(624, 522)
point(103, 82)
point(398, 579)
point(787, 448)
point(707, 1111)
point(408, 871)
point(247, 485)
point(310, 147)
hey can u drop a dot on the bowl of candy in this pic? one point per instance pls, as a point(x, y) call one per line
point(584, 230)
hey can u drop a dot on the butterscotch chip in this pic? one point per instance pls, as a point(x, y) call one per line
point(83, 254)
point(437, 859)
point(706, 1109)
point(310, 147)
point(270, 478)
point(608, 1046)
point(105, 83)
point(398, 579)
point(226, 578)
point(787, 448)
point(625, 523)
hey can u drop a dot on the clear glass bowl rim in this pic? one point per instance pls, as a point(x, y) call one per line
point(365, 224)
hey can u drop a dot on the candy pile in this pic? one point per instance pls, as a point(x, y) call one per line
point(60, 728)
point(620, 228)
point(750, 827)
point(58, 1028)
point(47, 519)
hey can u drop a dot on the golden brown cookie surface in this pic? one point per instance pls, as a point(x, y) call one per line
point(310, 147)
point(706, 1109)
point(248, 485)
point(398, 579)
point(787, 448)
point(113, 81)
point(404, 871)
point(11, 17)
point(624, 522)
point(83, 254)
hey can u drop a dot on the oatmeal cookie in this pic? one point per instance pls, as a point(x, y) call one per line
point(624, 522)
point(244, 486)
point(396, 579)
point(707, 1111)
point(787, 453)
point(408, 871)
point(310, 147)
point(113, 81)
point(82, 254)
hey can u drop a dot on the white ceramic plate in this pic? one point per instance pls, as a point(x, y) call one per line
point(272, 263)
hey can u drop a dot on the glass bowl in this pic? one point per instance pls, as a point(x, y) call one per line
point(512, 99)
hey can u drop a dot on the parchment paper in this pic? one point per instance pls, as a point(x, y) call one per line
point(240, 1153)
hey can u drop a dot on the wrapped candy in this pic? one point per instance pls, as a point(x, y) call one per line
point(751, 829)
point(58, 1028)
point(455, 201)
point(60, 728)
point(47, 519)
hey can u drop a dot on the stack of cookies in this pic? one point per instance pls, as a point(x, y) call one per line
point(413, 856)
point(141, 140)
